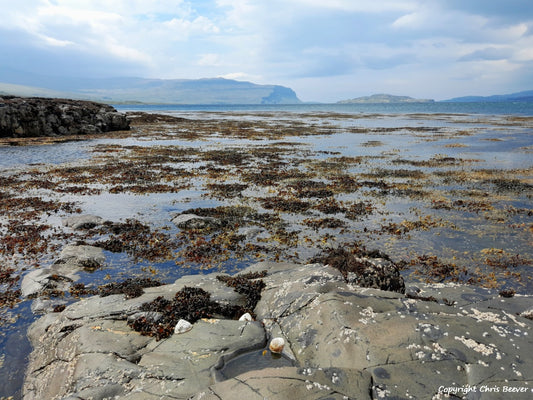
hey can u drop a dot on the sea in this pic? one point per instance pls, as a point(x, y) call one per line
point(486, 108)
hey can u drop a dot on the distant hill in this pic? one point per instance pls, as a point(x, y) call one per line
point(384, 98)
point(525, 96)
point(159, 91)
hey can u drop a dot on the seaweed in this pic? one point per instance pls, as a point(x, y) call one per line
point(246, 285)
point(192, 304)
point(131, 287)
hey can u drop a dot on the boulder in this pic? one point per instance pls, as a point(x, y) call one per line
point(341, 341)
point(60, 275)
point(366, 271)
point(35, 116)
point(86, 221)
point(81, 256)
point(193, 221)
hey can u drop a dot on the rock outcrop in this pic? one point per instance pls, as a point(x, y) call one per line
point(35, 117)
point(341, 342)
point(64, 271)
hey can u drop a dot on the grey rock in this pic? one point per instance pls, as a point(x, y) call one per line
point(193, 221)
point(83, 256)
point(42, 306)
point(253, 232)
point(82, 221)
point(342, 341)
point(34, 282)
point(34, 116)
point(63, 272)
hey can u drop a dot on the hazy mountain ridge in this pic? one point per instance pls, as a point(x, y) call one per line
point(384, 98)
point(159, 91)
point(525, 96)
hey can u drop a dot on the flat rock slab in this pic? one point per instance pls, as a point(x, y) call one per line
point(343, 341)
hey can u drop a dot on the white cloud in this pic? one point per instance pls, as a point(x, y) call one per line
point(210, 59)
point(241, 76)
point(358, 5)
point(310, 45)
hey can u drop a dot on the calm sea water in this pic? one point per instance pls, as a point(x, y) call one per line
point(512, 108)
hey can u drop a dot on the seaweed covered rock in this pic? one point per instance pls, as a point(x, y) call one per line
point(365, 271)
point(36, 116)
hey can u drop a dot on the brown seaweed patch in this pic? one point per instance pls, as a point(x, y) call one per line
point(372, 143)
point(226, 156)
point(322, 223)
point(510, 185)
point(135, 239)
point(501, 259)
point(434, 270)
point(436, 161)
point(192, 304)
point(468, 205)
point(330, 206)
point(226, 190)
point(356, 210)
point(78, 290)
point(25, 239)
point(131, 287)
point(344, 184)
point(9, 298)
point(362, 271)
point(306, 188)
point(424, 223)
point(284, 205)
point(248, 285)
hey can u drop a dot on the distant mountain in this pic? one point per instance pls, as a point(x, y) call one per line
point(384, 98)
point(160, 91)
point(525, 96)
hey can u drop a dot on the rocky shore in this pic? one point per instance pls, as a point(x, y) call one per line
point(36, 117)
point(342, 341)
point(442, 310)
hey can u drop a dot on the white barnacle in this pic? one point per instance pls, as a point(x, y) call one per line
point(479, 347)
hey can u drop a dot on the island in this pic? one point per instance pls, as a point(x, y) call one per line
point(384, 98)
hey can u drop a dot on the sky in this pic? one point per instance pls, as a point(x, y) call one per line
point(325, 50)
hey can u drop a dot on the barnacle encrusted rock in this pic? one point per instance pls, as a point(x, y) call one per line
point(342, 340)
